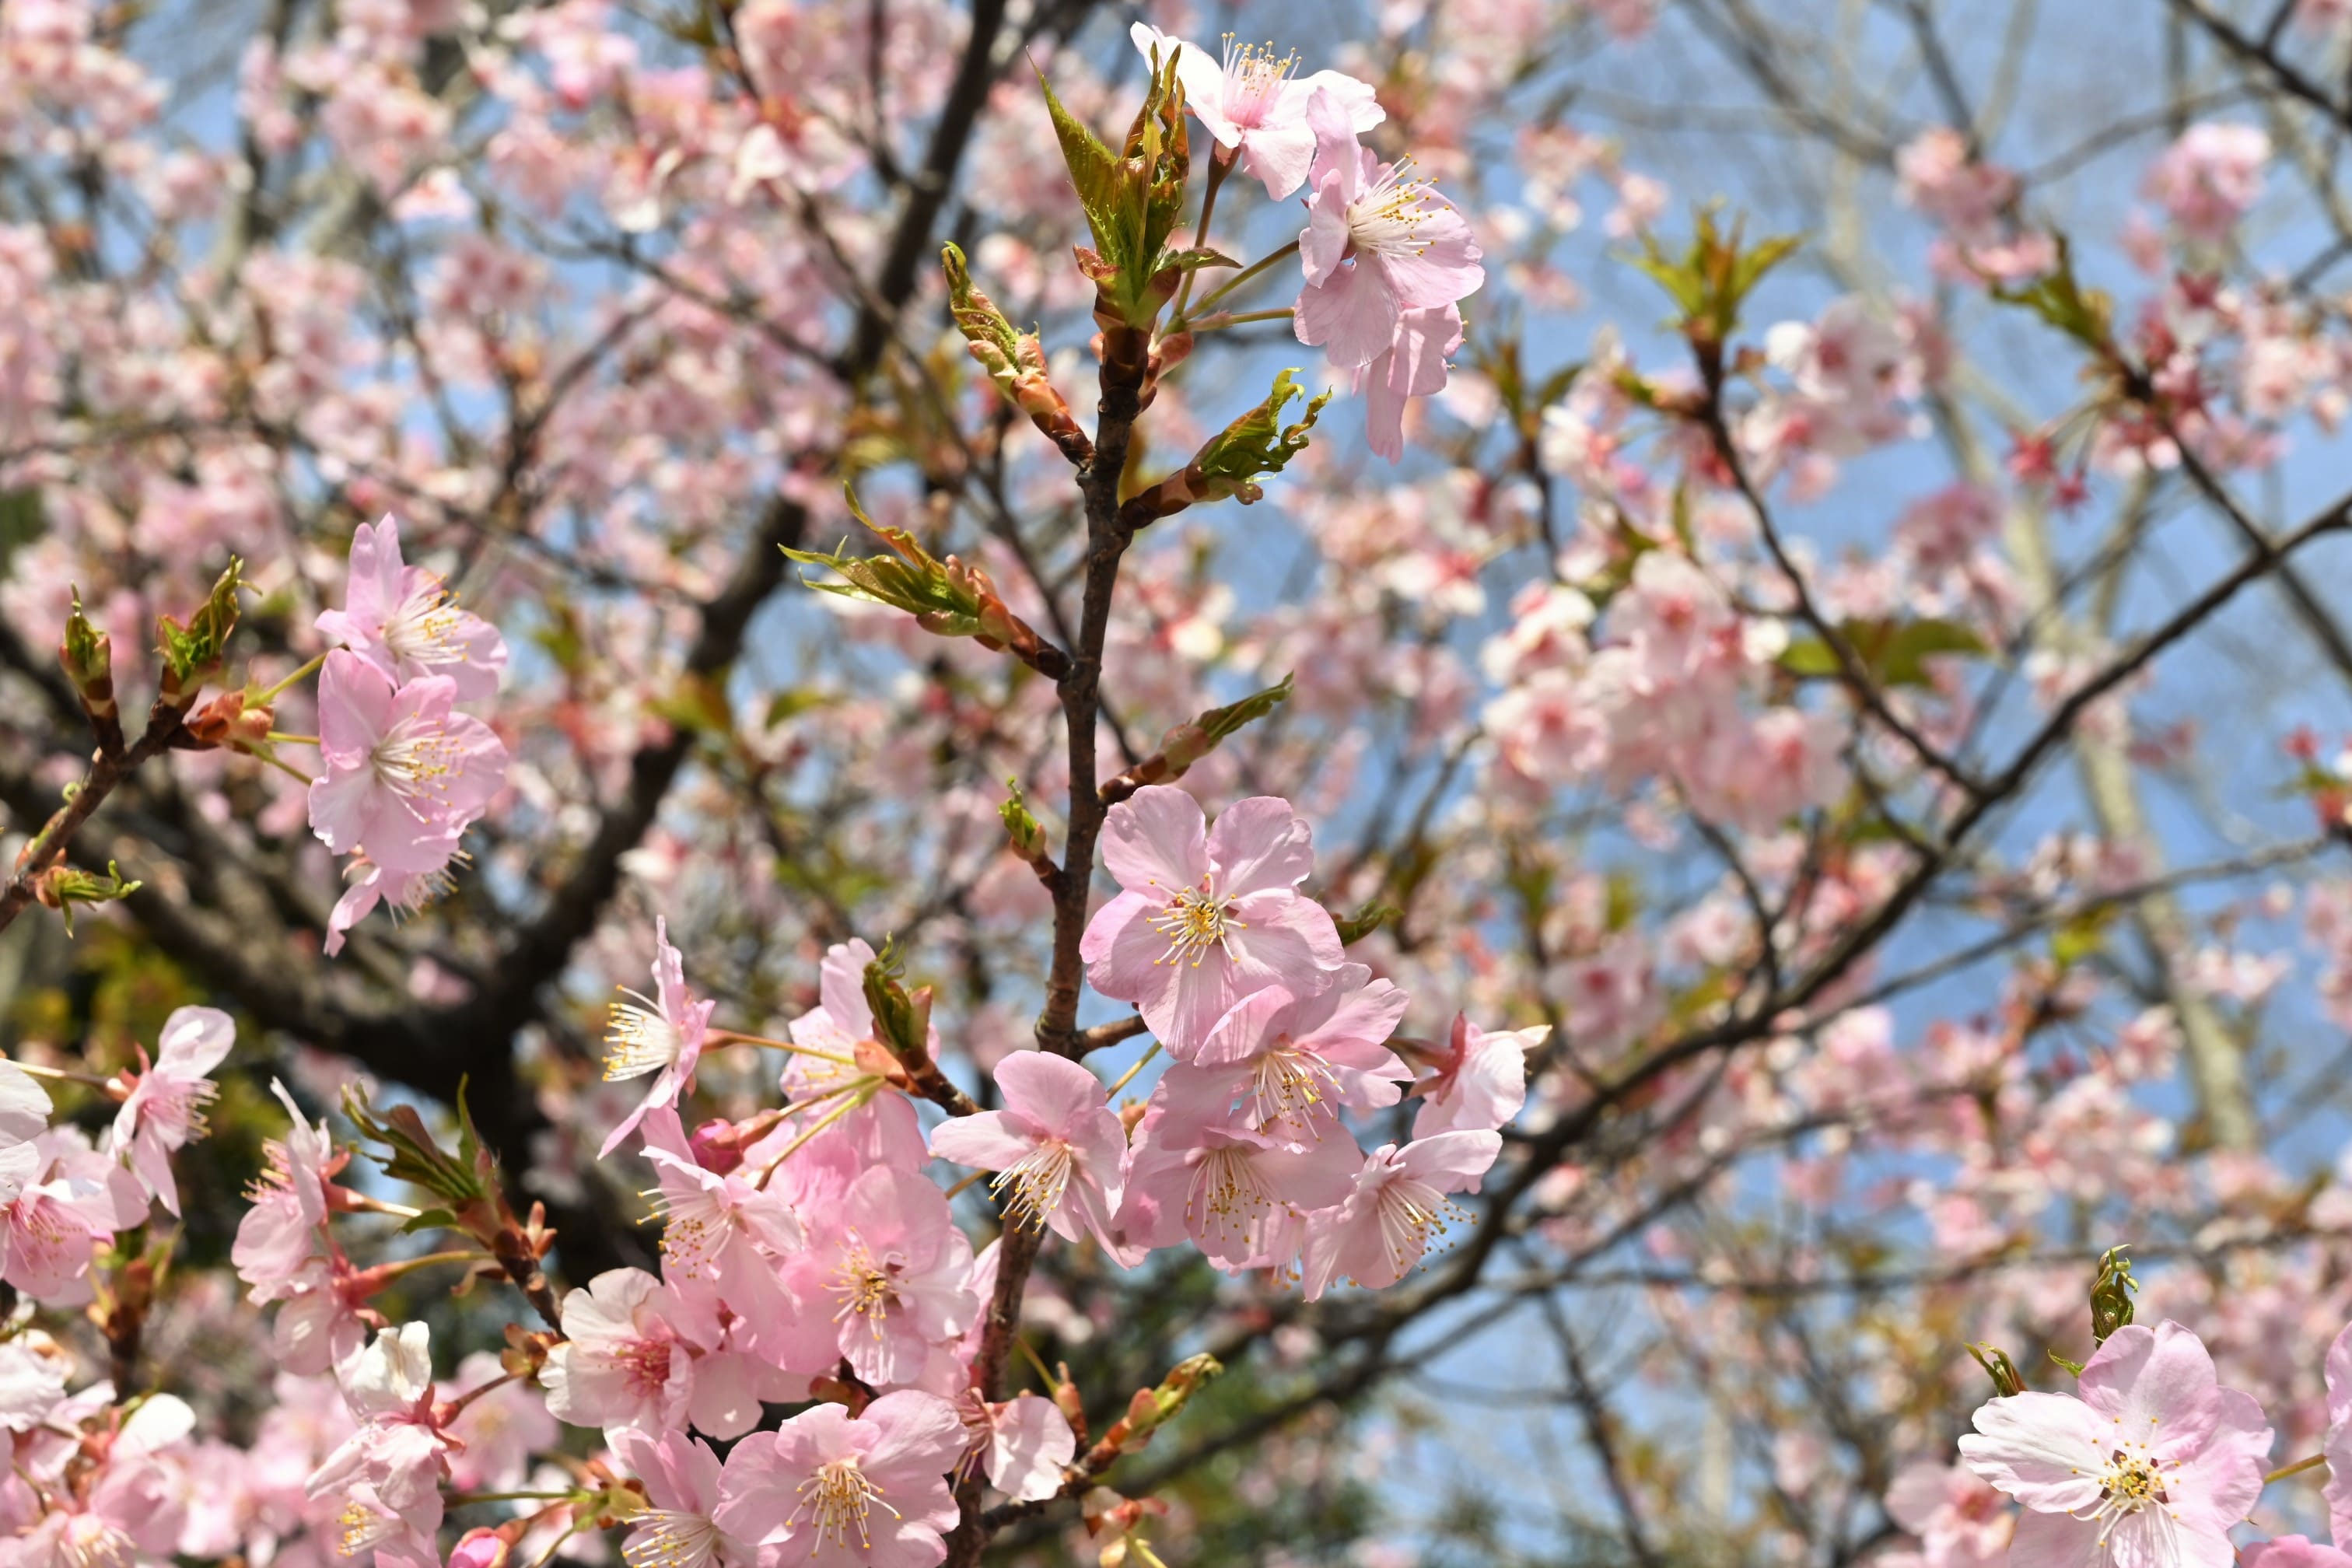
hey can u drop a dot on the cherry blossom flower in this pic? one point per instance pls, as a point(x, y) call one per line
point(832, 1491)
point(1960, 1522)
point(883, 1282)
point(406, 891)
point(884, 1129)
point(405, 621)
point(1204, 916)
point(2210, 177)
point(1252, 104)
point(165, 1107)
point(282, 1231)
point(394, 1463)
point(2152, 1463)
point(722, 1234)
point(1296, 1055)
point(55, 1220)
point(682, 1482)
point(1240, 1195)
point(405, 774)
point(1398, 1203)
point(1481, 1081)
point(661, 1034)
point(1376, 244)
point(498, 1428)
point(1056, 1147)
point(2293, 1552)
point(622, 1362)
point(1021, 1445)
point(1412, 365)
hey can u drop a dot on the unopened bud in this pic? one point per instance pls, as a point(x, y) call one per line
point(1185, 744)
point(716, 1146)
point(526, 1351)
point(2111, 1301)
point(480, 1547)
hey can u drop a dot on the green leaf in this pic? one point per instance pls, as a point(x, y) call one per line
point(1256, 444)
point(1713, 276)
point(192, 653)
point(410, 1153)
point(1094, 170)
point(1367, 920)
point(1028, 835)
point(1895, 653)
point(1220, 723)
point(63, 886)
point(2059, 298)
point(943, 596)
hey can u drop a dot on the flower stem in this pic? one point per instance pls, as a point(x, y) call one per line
point(965, 1183)
point(271, 695)
point(460, 1499)
point(60, 1074)
point(1128, 1076)
point(2296, 1468)
point(283, 739)
point(1244, 276)
point(1218, 168)
point(1223, 320)
point(736, 1037)
point(830, 1116)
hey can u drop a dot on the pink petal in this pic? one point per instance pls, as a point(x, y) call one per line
point(2156, 1384)
point(1350, 315)
point(984, 1143)
point(1260, 844)
point(1055, 1093)
point(1154, 842)
point(1280, 155)
point(2043, 1449)
point(1323, 242)
point(1030, 1441)
point(1122, 950)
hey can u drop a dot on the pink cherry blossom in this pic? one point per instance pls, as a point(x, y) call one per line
point(1242, 1195)
point(405, 774)
point(1056, 1147)
point(54, 1214)
point(1960, 1522)
point(1296, 1055)
point(2338, 1445)
point(682, 1482)
point(661, 1034)
point(1253, 104)
point(1204, 917)
point(2293, 1552)
point(165, 1107)
point(394, 1463)
point(1377, 243)
point(1398, 1203)
point(2210, 177)
point(883, 1282)
point(499, 1429)
point(283, 1229)
point(723, 1237)
point(405, 621)
point(1021, 1445)
point(2153, 1463)
point(834, 1490)
point(371, 884)
point(1481, 1081)
point(622, 1362)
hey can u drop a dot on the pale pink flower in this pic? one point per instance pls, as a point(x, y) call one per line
point(623, 1363)
point(395, 1462)
point(405, 774)
point(2338, 1445)
point(682, 1481)
point(1021, 1445)
point(723, 1237)
point(54, 1222)
point(1240, 1195)
point(1377, 1234)
point(1295, 1053)
point(1251, 102)
point(2210, 177)
point(883, 1282)
point(499, 1433)
point(661, 1034)
point(1056, 1147)
point(2293, 1552)
point(25, 1105)
point(283, 1229)
point(2151, 1465)
point(1482, 1080)
point(165, 1107)
point(834, 1490)
point(1377, 243)
point(1958, 1521)
point(371, 884)
point(1204, 917)
point(405, 621)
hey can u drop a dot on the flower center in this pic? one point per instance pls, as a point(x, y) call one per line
point(863, 1286)
point(423, 630)
point(361, 1527)
point(175, 1108)
point(1290, 1084)
point(639, 1039)
point(417, 763)
point(1227, 1198)
point(645, 1364)
point(838, 1499)
point(1412, 1213)
point(1038, 1180)
point(1254, 79)
point(667, 1539)
point(2134, 1481)
point(1195, 921)
point(1386, 219)
point(89, 1541)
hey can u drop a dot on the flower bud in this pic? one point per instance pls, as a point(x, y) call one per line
point(480, 1548)
point(716, 1146)
point(1999, 1368)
